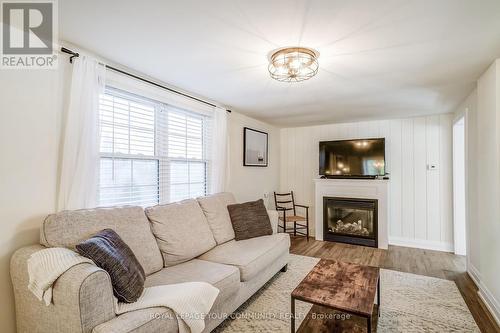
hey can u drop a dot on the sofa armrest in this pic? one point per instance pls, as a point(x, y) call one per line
point(82, 298)
point(273, 216)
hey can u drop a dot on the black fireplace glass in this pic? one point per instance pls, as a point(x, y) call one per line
point(350, 220)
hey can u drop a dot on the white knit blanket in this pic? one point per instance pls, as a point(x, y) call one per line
point(190, 301)
point(45, 266)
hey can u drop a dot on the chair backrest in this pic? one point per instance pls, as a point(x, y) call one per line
point(285, 202)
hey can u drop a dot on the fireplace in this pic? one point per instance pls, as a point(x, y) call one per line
point(350, 220)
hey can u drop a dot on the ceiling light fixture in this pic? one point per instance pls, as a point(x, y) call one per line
point(293, 64)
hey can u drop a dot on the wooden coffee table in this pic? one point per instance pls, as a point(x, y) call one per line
point(341, 286)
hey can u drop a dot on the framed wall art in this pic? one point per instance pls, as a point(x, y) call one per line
point(255, 147)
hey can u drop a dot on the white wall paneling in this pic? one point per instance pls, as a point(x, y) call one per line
point(420, 210)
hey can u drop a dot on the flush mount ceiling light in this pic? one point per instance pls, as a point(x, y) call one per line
point(293, 64)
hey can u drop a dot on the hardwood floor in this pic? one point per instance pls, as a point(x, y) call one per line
point(417, 261)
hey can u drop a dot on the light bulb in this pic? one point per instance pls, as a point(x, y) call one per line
point(281, 70)
point(295, 63)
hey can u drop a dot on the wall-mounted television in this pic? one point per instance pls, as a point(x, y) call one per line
point(363, 158)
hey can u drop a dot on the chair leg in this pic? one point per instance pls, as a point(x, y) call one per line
point(284, 222)
point(307, 229)
point(307, 224)
point(295, 228)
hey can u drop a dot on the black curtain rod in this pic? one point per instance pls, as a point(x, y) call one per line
point(75, 54)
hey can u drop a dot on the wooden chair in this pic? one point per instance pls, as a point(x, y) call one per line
point(286, 202)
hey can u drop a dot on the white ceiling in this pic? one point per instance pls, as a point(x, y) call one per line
point(378, 59)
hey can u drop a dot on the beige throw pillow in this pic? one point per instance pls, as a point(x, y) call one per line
point(215, 209)
point(181, 230)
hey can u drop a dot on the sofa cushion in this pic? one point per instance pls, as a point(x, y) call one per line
point(68, 228)
point(251, 255)
point(215, 209)
point(181, 230)
point(159, 319)
point(108, 251)
point(250, 219)
point(224, 277)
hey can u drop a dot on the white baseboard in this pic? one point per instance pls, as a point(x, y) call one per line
point(421, 244)
point(474, 274)
point(484, 293)
point(491, 304)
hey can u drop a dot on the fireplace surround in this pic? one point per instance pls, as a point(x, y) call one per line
point(373, 189)
point(350, 220)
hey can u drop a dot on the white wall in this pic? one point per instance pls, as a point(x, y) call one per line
point(251, 183)
point(30, 116)
point(420, 213)
point(468, 108)
point(459, 202)
point(482, 110)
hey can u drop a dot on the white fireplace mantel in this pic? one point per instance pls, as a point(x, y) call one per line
point(354, 188)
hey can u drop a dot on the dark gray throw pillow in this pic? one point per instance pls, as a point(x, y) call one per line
point(108, 251)
point(250, 220)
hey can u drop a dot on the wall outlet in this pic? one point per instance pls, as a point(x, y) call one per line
point(432, 167)
point(266, 195)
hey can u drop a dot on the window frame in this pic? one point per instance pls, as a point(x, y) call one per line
point(164, 160)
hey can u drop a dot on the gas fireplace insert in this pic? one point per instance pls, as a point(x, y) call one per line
point(350, 220)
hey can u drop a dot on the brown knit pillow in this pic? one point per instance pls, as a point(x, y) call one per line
point(250, 220)
point(108, 251)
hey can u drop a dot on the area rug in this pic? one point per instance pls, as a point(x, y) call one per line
point(410, 303)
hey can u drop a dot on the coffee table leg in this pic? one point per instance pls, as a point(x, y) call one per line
point(378, 297)
point(369, 324)
point(292, 318)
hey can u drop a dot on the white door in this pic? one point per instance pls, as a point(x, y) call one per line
point(459, 211)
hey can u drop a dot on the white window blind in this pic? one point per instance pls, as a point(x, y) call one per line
point(151, 152)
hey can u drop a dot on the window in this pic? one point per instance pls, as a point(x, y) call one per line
point(151, 152)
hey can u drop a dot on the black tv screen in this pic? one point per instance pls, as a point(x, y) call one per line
point(352, 158)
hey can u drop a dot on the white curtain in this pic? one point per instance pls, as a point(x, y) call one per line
point(81, 138)
point(219, 149)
